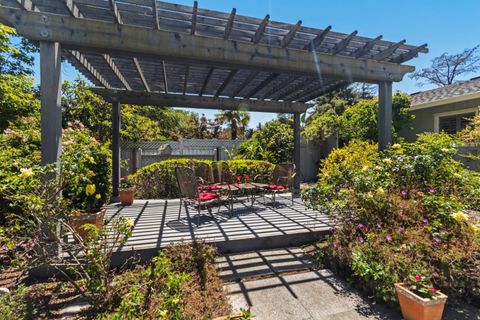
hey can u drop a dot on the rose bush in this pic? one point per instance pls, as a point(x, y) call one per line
point(411, 210)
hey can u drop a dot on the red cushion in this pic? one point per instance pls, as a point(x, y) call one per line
point(207, 188)
point(275, 187)
point(207, 196)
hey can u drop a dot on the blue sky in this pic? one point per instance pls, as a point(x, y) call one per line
point(447, 26)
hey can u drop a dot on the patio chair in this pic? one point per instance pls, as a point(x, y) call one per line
point(281, 181)
point(190, 193)
point(203, 172)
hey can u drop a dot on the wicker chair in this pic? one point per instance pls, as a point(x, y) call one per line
point(281, 181)
point(190, 193)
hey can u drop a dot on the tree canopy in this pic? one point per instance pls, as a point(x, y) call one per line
point(447, 68)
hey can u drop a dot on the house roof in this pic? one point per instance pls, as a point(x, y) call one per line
point(460, 91)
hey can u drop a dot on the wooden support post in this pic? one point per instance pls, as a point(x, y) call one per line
point(51, 111)
point(296, 153)
point(384, 115)
point(115, 149)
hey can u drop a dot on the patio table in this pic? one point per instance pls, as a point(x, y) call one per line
point(248, 187)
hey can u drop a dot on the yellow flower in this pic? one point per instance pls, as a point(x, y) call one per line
point(98, 196)
point(365, 168)
point(473, 228)
point(387, 161)
point(457, 175)
point(90, 189)
point(380, 190)
point(129, 223)
point(460, 216)
point(369, 194)
point(175, 300)
point(26, 172)
point(396, 146)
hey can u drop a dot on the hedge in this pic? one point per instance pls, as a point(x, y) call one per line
point(158, 179)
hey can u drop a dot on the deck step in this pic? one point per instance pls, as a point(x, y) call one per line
point(262, 264)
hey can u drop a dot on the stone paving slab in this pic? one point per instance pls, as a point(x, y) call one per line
point(262, 263)
point(317, 295)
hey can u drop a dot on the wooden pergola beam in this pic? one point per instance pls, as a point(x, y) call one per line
point(226, 82)
point(109, 60)
point(81, 59)
point(140, 73)
point(116, 12)
point(260, 30)
point(278, 87)
point(385, 54)
point(317, 93)
point(137, 41)
point(185, 80)
point(194, 18)
point(317, 41)
point(207, 79)
point(367, 47)
point(229, 25)
point(344, 43)
point(165, 81)
point(155, 14)
point(245, 83)
point(262, 85)
point(410, 54)
point(291, 34)
point(187, 101)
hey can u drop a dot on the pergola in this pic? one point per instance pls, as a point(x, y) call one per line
point(147, 52)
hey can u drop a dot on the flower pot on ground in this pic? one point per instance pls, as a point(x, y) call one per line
point(93, 212)
point(126, 196)
point(416, 307)
point(80, 219)
point(126, 191)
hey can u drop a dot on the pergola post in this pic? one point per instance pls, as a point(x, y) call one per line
point(296, 152)
point(51, 112)
point(384, 115)
point(115, 149)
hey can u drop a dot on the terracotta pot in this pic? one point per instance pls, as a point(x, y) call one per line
point(415, 307)
point(77, 222)
point(126, 196)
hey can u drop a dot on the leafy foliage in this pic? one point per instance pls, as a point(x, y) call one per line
point(15, 59)
point(356, 121)
point(273, 142)
point(411, 210)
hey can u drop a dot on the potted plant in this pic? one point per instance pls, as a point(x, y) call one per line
point(126, 191)
point(94, 212)
point(419, 299)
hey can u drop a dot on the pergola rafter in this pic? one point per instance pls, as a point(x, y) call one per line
point(215, 59)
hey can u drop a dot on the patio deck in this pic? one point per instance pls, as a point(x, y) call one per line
point(276, 225)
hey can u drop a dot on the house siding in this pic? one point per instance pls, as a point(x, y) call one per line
point(425, 118)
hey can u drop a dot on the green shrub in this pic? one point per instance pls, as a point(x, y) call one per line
point(158, 179)
point(17, 305)
point(273, 142)
point(411, 210)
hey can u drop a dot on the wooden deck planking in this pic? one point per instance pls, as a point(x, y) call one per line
point(156, 223)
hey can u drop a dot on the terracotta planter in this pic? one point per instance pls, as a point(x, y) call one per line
point(126, 196)
point(77, 222)
point(415, 307)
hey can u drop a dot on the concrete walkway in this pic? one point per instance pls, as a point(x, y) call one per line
point(281, 284)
